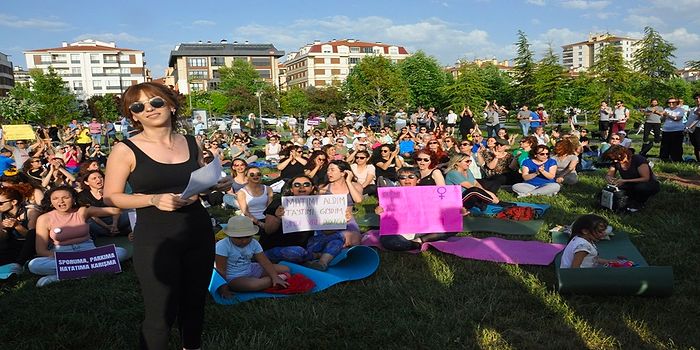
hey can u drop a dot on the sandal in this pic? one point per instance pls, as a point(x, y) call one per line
point(316, 265)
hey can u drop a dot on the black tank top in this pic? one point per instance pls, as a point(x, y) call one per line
point(428, 180)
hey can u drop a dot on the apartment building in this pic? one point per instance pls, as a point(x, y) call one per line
point(323, 64)
point(7, 78)
point(579, 57)
point(91, 67)
point(195, 66)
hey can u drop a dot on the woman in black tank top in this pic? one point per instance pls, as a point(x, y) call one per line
point(173, 244)
point(430, 175)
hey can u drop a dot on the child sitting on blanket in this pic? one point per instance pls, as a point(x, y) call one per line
point(233, 260)
point(581, 250)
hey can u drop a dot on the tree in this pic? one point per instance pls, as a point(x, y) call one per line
point(326, 100)
point(295, 102)
point(611, 76)
point(240, 83)
point(499, 84)
point(524, 69)
point(425, 79)
point(469, 89)
point(375, 84)
point(654, 55)
point(18, 107)
point(104, 107)
point(549, 82)
point(57, 105)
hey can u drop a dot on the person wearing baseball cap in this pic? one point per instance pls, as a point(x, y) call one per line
point(234, 257)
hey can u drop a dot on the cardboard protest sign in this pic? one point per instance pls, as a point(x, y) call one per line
point(72, 265)
point(18, 132)
point(305, 213)
point(420, 209)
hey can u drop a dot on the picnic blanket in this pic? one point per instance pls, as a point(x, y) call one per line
point(6, 271)
point(641, 280)
point(487, 249)
point(492, 210)
point(351, 264)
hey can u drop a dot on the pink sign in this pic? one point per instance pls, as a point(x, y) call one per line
point(420, 209)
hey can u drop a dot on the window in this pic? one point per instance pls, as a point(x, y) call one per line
point(327, 49)
point(45, 58)
point(125, 70)
point(196, 86)
point(319, 71)
point(74, 58)
point(215, 74)
point(335, 60)
point(97, 84)
point(218, 61)
point(355, 50)
point(58, 58)
point(197, 62)
point(265, 73)
point(335, 71)
point(213, 85)
point(319, 60)
point(198, 74)
point(94, 58)
point(75, 71)
point(110, 58)
point(77, 85)
point(112, 71)
point(96, 70)
point(367, 50)
point(353, 60)
point(260, 62)
point(124, 58)
point(394, 50)
point(377, 51)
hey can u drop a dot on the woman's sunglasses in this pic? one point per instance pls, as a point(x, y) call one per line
point(138, 106)
point(301, 184)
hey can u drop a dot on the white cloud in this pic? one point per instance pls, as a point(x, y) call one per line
point(537, 2)
point(535, 21)
point(433, 35)
point(203, 22)
point(682, 38)
point(116, 37)
point(643, 21)
point(556, 37)
point(585, 4)
point(14, 22)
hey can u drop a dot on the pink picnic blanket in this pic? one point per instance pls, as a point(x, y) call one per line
point(489, 249)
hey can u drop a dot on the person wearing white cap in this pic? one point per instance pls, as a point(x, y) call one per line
point(234, 256)
point(624, 140)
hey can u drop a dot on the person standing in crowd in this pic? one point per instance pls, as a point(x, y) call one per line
point(619, 117)
point(652, 123)
point(124, 121)
point(673, 127)
point(451, 122)
point(692, 127)
point(173, 250)
point(524, 119)
point(491, 116)
point(466, 122)
point(95, 128)
point(604, 120)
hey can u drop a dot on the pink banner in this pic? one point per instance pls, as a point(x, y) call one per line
point(420, 209)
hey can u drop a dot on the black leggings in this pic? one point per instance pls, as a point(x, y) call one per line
point(174, 276)
point(476, 197)
point(640, 192)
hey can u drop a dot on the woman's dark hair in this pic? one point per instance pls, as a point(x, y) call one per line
point(531, 140)
point(84, 177)
point(342, 165)
point(537, 149)
point(588, 222)
point(84, 165)
point(618, 152)
point(409, 170)
point(46, 202)
point(149, 89)
point(433, 158)
point(310, 165)
point(325, 148)
point(287, 190)
point(12, 194)
point(377, 153)
point(365, 152)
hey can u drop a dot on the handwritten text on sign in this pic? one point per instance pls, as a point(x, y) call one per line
point(71, 265)
point(420, 209)
point(305, 213)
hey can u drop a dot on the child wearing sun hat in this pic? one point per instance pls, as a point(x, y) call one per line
point(234, 257)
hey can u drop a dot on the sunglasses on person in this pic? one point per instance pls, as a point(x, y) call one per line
point(543, 154)
point(467, 160)
point(138, 106)
point(614, 138)
point(254, 174)
point(385, 151)
point(3, 202)
point(362, 157)
point(465, 144)
point(423, 159)
point(301, 184)
point(404, 177)
point(323, 159)
point(432, 143)
point(238, 164)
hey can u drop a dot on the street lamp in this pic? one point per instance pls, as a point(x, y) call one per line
point(262, 126)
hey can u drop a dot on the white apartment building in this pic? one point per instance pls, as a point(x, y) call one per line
point(579, 57)
point(323, 64)
point(7, 78)
point(195, 66)
point(91, 67)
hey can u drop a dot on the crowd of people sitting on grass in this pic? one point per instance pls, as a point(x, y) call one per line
point(51, 193)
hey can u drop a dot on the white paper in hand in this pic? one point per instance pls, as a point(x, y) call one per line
point(203, 179)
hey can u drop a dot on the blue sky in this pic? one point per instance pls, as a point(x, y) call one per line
point(446, 29)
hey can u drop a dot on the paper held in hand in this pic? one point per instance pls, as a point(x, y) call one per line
point(202, 179)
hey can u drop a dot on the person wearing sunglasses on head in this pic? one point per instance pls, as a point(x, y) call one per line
point(636, 177)
point(254, 197)
point(672, 132)
point(539, 173)
point(409, 177)
point(173, 250)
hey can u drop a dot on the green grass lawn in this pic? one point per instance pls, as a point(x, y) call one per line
point(431, 300)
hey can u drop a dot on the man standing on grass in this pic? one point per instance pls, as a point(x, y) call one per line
point(604, 120)
point(672, 137)
point(652, 123)
point(524, 120)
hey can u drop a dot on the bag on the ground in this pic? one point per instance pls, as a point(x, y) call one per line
point(613, 198)
point(517, 213)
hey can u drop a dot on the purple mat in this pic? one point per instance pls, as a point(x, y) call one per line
point(489, 249)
